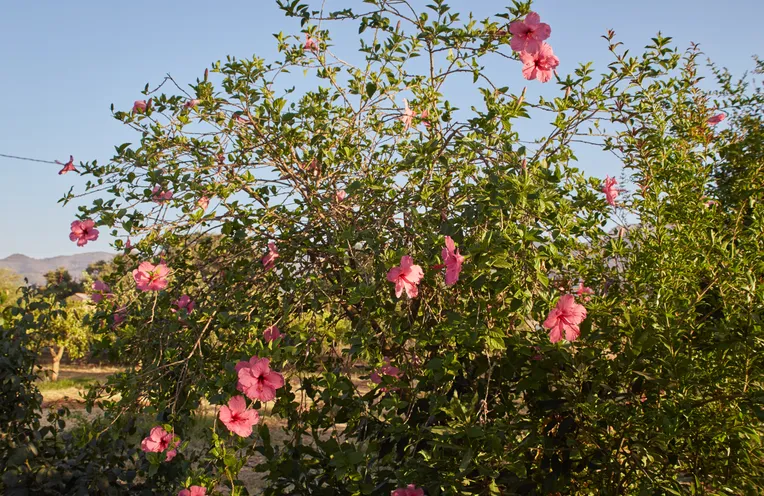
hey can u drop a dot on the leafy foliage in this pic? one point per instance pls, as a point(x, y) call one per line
point(43, 454)
point(661, 394)
point(10, 283)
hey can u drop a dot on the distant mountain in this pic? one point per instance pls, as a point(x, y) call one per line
point(34, 269)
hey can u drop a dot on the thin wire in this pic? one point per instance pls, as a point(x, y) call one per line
point(28, 159)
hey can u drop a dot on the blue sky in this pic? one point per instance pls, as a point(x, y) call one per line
point(65, 63)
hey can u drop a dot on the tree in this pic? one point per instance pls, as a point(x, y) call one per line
point(65, 329)
point(100, 269)
point(66, 332)
point(59, 283)
point(10, 283)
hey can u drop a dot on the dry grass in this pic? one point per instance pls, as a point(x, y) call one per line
point(73, 381)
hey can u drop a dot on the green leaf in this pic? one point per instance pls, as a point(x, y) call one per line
point(371, 88)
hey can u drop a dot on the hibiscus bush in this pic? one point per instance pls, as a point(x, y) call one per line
point(424, 298)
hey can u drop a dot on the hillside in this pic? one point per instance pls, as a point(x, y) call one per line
point(34, 269)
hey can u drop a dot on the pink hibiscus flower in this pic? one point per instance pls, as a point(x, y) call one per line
point(184, 303)
point(160, 440)
point(538, 355)
point(240, 118)
point(271, 334)
point(583, 291)
point(139, 106)
point(406, 277)
point(340, 195)
point(160, 195)
point(611, 190)
point(237, 418)
point(410, 490)
point(452, 260)
point(312, 168)
point(310, 44)
point(566, 316)
point(716, 119)
point(539, 65)
point(269, 260)
point(424, 116)
point(101, 290)
point(191, 103)
point(119, 316)
point(203, 202)
point(193, 491)
point(386, 369)
point(529, 34)
point(407, 118)
point(157, 441)
point(256, 379)
point(68, 167)
point(83, 231)
point(150, 277)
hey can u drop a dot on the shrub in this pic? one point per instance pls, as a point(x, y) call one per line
point(513, 379)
